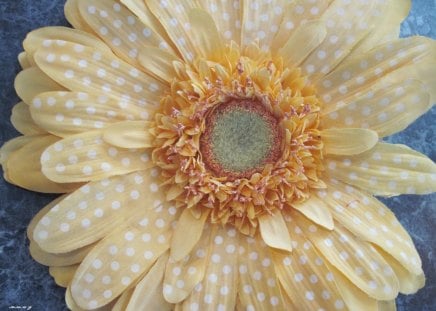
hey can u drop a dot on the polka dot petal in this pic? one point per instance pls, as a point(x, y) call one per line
point(147, 293)
point(258, 286)
point(387, 110)
point(181, 276)
point(23, 168)
point(355, 258)
point(60, 112)
point(87, 157)
point(97, 207)
point(372, 221)
point(386, 169)
point(123, 256)
point(33, 81)
point(103, 74)
point(383, 66)
point(121, 30)
point(217, 290)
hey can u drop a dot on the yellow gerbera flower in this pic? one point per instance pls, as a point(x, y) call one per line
point(222, 155)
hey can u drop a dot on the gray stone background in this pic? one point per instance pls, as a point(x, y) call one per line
point(23, 282)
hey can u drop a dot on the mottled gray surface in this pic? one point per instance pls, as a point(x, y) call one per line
point(24, 282)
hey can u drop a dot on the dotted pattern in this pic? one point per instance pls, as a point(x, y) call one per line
point(72, 13)
point(385, 26)
point(93, 211)
point(356, 259)
point(371, 221)
point(23, 122)
point(33, 81)
point(147, 294)
point(69, 113)
point(347, 23)
point(386, 110)
point(117, 262)
point(355, 77)
point(312, 33)
point(23, 165)
point(217, 290)
point(296, 14)
point(260, 21)
point(227, 17)
point(258, 286)
point(178, 29)
point(386, 170)
point(305, 276)
point(39, 37)
point(85, 157)
point(120, 29)
point(84, 69)
point(182, 276)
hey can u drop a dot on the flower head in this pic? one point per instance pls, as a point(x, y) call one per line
point(223, 155)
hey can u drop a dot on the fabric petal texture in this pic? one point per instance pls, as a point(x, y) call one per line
point(223, 155)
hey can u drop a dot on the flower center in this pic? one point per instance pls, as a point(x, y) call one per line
point(241, 137)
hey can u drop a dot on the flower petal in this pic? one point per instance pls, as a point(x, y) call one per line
point(347, 23)
point(350, 141)
point(122, 31)
point(386, 22)
point(353, 297)
point(50, 259)
point(370, 220)
point(383, 66)
point(182, 276)
point(258, 286)
point(409, 282)
point(123, 300)
point(63, 275)
point(217, 290)
point(387, 305)
point(158, 63)
point(356, 259)
point(72, 305)
point(22, 120)
point(147, 294)
point(90, 213)
point(187, 233)
point(386, 169)
point(86, 157)
point(46, 35)
point(274, 231)
point(178, 29)
point(129, 134)
point(305, 277)
point(73, 16)
point(68, 113)
point(85, 69)
point(23, 167)
point(23, 59)
point(307, 37)
point(58, 260)
point(119, 259)
point(140, 9)
point(295, 16)
point(387, 110)
point(205, 35)
point(31, 82)
point(227, 15)
point(259, 21)
point(13, 145)
point(317, 211)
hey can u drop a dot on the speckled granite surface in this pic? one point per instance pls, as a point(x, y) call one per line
point(25, 283)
